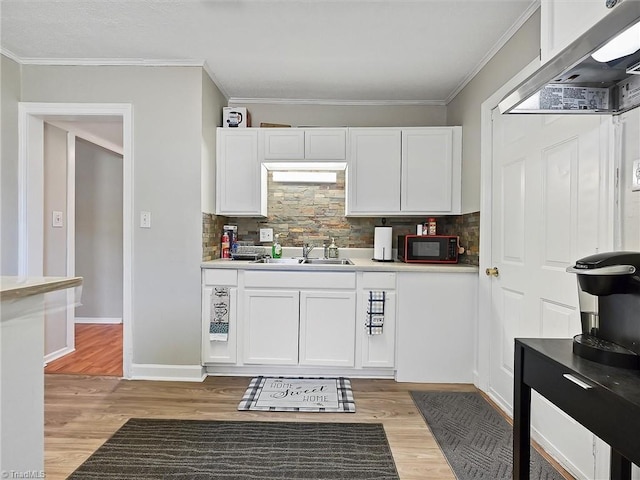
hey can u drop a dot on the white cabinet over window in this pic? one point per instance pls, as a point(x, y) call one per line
point(408, 171)
point(241, 181)
point(304, 144)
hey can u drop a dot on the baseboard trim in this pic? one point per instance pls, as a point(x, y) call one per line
point(296, 371)
point(58, 354)
point(99, 320)
point(173, 373)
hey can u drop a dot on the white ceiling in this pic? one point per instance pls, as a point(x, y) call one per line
point(378, 51)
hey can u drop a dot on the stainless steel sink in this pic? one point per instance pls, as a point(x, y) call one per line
point(302, 261)
point(328, 261)
point(285, 261)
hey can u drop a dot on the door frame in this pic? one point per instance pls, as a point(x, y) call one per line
point(31, 117)
point(483, 349)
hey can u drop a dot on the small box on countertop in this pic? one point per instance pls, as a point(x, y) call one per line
point(235, 117)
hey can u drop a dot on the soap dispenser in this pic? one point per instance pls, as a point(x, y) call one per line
point(333, 249)
point(276, 249)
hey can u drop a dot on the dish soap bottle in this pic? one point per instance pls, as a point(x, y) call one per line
point(276, 249)
point(333, 249)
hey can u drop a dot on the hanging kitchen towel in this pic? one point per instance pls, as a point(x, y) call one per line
point(219, 314)
point(375, 313)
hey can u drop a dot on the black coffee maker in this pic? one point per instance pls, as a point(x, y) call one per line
point(609, 295)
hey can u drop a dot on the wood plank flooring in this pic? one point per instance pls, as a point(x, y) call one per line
point(98, 351)
point(82, 412)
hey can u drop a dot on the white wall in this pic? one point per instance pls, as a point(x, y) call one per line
point(167, 131)
point(55, 238)
point(10, 96)
point(98, 226)
point(298, 115)
point(629, 200)
point(464, 109)
point(212, 103)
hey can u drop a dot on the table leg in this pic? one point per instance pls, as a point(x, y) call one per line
point(521, 419)
point(620, 466)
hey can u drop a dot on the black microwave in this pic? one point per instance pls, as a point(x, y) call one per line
point(428, 248)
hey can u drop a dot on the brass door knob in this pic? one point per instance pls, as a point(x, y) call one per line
point(492, 272)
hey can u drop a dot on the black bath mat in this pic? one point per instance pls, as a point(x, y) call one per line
point(197, 449)
point(476, 440)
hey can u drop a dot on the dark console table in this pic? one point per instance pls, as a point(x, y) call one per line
point(606, 400)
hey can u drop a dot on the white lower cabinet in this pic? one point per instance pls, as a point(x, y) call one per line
point(271, 320)
point(327, 333)
point(286, 325)
point(377, 347)
point(224, 281)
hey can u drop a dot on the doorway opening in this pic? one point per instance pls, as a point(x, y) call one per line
point(89, 235)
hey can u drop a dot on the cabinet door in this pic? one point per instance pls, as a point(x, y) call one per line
point(271, 326)
point(327, 328)
point(219, 351)
point(428, 170)
point(562, 22)
point(373, 174)
point(283, 143)
point(378, 350)
point(240, 179)
point(325, 144)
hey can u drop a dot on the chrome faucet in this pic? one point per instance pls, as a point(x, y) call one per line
point(306, 250)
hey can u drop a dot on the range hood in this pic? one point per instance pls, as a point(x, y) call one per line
point(574, 82)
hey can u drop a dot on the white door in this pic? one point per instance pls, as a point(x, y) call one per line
point(550, 205)
point(327, 328)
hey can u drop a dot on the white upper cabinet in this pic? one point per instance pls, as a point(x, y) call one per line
point(564, 21)
point(325, 144)
point(240, 179)
point(302, 144)
point(431, 170)
point(373, 175)
point(408, 171)
point(283, 143)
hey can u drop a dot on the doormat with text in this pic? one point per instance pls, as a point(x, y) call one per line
point(299, 394)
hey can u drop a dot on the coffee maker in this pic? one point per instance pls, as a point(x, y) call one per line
point(609, 297)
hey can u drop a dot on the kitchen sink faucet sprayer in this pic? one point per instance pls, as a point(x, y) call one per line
point(306, 250)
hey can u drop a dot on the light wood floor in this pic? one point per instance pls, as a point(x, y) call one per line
point(82, 412)
point(98, 351)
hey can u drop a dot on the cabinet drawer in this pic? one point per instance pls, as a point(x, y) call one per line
point(582, 399)
point(378, 280)
point(220, 276)
point(328, 280)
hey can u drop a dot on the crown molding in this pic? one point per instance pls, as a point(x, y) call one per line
point(309, 101)
point(109, 62)
point(215, 80)
point(502, 41)
point(9, 54)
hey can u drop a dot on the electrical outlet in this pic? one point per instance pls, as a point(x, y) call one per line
point(145, 219)
point(56, 219)
point(266, 234)
point(635, 176)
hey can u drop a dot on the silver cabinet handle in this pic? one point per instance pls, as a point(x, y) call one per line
point(577, 381)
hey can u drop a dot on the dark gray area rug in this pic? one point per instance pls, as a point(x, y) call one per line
point(198, 449)
point(476, 440)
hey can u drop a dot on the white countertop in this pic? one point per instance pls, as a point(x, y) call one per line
point(361, 258)
point(19, 287)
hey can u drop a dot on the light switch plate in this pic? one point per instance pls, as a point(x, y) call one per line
point(56, 219)
point(145, 219)
point(266, 234)
point(635, 176)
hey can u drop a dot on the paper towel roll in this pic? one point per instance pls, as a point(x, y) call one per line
point(382, 237)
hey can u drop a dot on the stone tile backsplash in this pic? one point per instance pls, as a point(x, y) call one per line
point(313, 213)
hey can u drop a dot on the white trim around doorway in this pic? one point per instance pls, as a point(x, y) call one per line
point(31, 116)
